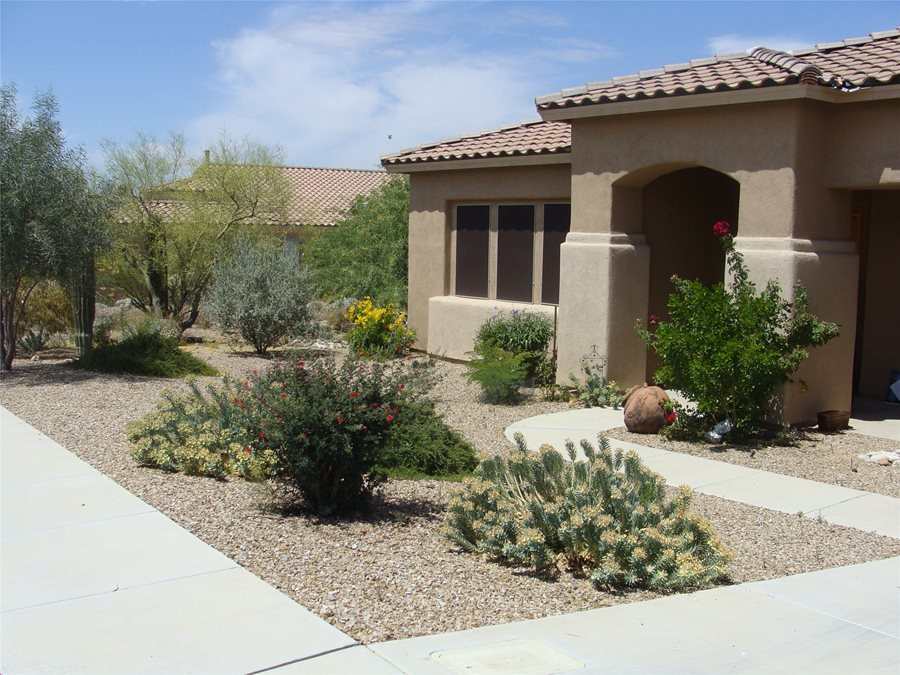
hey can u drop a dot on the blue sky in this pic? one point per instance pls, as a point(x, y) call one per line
point(339, 84)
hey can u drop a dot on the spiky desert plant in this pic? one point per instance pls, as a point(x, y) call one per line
point(606, 517)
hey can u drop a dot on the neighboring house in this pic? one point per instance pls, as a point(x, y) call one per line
point(318, 197)
point(595, 207)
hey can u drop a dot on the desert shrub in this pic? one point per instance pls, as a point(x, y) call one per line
point(420, 444)
point(33, 340)
point(520, 333)
point(201, 433)
point(378, 332)
point(499, 372)
point(728, 350)
point(606, 517)
point(326, 423)
point(145, 349)
point(261, 293)
point(366, 253)
point(595, 390)
point(48, 310)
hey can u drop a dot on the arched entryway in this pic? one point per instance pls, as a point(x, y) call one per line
point(678, 211)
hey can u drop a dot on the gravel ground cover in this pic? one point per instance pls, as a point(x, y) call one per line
point(390, 574)
point(814, 455)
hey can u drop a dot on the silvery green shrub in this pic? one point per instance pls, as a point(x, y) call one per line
point(260, 292)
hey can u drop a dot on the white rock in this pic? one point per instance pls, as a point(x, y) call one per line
point(881, 457)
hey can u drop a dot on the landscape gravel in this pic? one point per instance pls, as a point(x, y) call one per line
point(391, 573)
point(814, 455)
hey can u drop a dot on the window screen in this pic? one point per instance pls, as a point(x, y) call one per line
point(515, 252)
point(556, 227)
point(472, 228)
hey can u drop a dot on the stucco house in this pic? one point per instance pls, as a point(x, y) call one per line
point(591, 209)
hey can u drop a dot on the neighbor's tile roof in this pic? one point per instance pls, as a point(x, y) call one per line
point(528, 138)
point(318, 196)
point(321, 196)
point(849, 64)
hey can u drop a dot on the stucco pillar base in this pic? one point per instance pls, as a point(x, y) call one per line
point(830, 271)
point(603, 290)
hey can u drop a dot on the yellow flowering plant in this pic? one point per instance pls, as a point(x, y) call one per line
point(378, 332)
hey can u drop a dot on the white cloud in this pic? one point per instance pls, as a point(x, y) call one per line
point(331, 83)
point(733, 42)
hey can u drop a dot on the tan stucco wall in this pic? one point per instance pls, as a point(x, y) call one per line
point(453, 322)
point(863, 145)
point(881, 327)
point(432, 195)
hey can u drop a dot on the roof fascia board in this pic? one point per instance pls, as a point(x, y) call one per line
point(779, 93)
point(484, 163)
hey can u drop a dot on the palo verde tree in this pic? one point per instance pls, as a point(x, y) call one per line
point(171, 222)
point(52, 219)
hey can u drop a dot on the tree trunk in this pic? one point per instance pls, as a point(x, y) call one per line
point(7, 333)
point(82, 296)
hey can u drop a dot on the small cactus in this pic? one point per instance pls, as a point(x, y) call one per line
point(606, 518)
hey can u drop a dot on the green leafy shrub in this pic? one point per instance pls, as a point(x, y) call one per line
point(378, 332)
point(595, 390)
point(499, 372)
point(606, 517)
point(520, 333)
point(33, 340)
point(144, 350)
point(261, 293)
point(366, 253)
point(729, 350)
point(204, 434)
point(48, 310)
point(420, 444)
point(326, 423)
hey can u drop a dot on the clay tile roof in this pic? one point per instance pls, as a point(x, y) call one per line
point(852, 63)
point(528, 138)
point(319, 196)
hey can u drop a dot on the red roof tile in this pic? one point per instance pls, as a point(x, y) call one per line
point(852, 63)
point(528, 138)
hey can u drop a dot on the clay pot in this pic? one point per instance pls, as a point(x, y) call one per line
point(833, 420)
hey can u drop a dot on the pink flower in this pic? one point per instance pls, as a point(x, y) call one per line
point(721, 228)
point(653, 320)
point(340, 420)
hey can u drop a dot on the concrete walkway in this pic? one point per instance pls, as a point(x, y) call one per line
point(95, 580)
point(842, 506)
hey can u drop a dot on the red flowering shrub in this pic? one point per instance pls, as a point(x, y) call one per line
point(721, 229)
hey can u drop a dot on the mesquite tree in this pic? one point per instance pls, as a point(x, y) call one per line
point(51, 219)
point(170, 222)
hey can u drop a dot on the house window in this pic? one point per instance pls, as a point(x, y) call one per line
point(556, 227)
point(472, 232)
point(509, 251)
point(515, 251)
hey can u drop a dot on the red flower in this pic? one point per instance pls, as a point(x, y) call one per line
point(283, 395)
point(671, 417)
point(340, 420)
point(390, 418)
point(247, 449)
point(280, 421)
point(401, 387)
point(396, 410)
point(653, 320)
point(262, 435)
point(374, 404)
point(353, 394)
point(721, 228)
point(303, 364)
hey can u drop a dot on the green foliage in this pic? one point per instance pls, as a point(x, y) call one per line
point(595, 390)
point(729, 350)
point(52, 218)
point(260, 292)
point(518, 332)
point(48, 310)
point(145, 350)
point(33, 340)
point(172, 224)
point(499, 372)
point(420, 444)
point(202, 433)
point(606, 517)
point(378, 332)
point(366, 253)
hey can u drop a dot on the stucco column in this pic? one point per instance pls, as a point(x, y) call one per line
point(602, 292)
point(830, 271)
